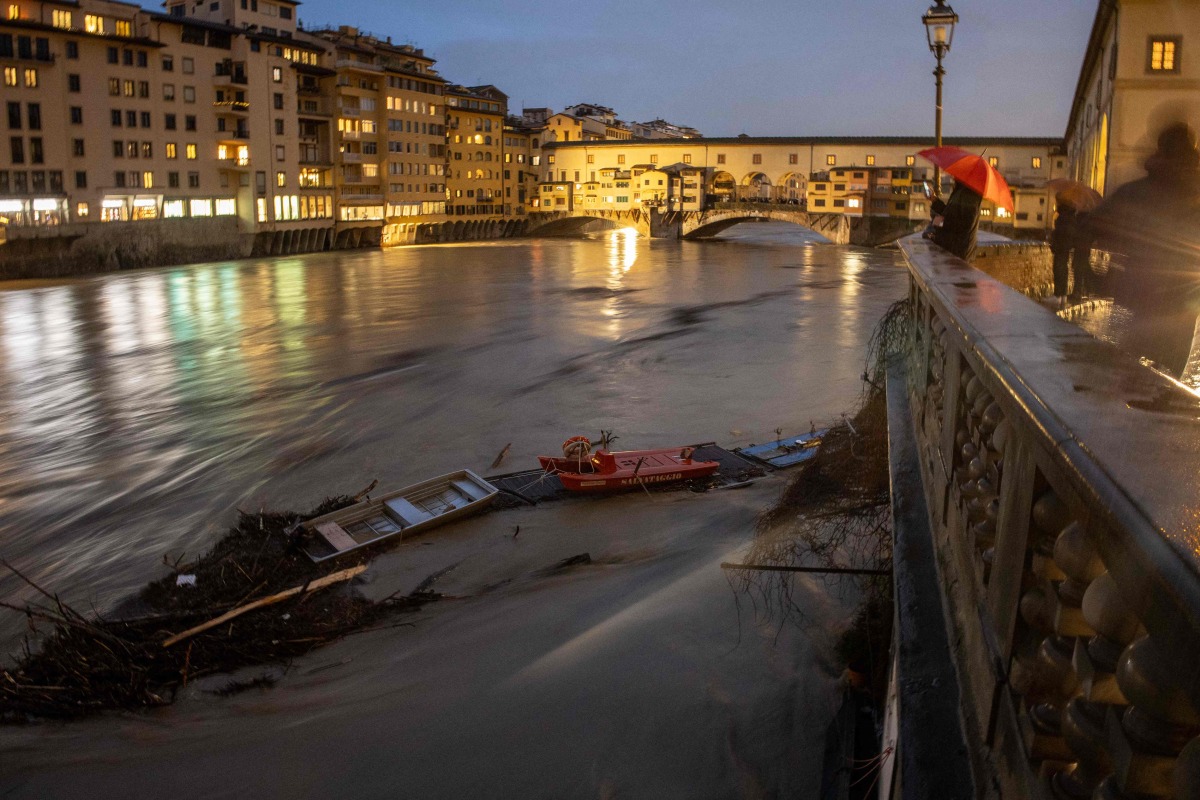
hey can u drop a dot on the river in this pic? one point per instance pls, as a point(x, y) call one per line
point(140, 409)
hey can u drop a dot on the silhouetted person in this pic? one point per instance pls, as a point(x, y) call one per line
point(1081, 256)
point(960, 221)
point(1152, 227)
point(1062, 240)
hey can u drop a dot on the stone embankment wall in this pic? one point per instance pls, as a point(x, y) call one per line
point(1025, 266)
point(86, 248)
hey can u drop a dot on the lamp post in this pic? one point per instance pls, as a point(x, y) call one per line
point(939, 31)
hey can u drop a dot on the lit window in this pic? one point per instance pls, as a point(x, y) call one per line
point(93, 23)
point(31, 77)
point(124, 28)
point(910, 160)
point(172, 209)
point(171, 150)
point(281, 179)
point(201, 207)
point(148, 180)
point(60, 19)
point(830, 160)
point(14, 11)
point(10, 76)
point(226, 206)
point(276, 74)
point(1036, 163)
point(870, 161)
point(1163, 54)
point(994, 161)
point(687, 158)
point(190, 151)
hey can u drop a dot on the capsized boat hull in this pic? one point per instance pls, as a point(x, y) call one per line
point(627, 469)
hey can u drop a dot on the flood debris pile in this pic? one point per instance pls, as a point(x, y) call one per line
point(254, 598)
point(835, 514)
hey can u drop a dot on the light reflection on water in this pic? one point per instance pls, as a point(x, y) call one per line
point(140, 409)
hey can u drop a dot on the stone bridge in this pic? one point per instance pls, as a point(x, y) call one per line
point(662, 224)
point(1044, 497)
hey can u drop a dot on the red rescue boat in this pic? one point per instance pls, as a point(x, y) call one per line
point(581, 470)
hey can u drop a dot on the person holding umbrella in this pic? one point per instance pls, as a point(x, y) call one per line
point(975, 180)
point(1062, 242)
point(1072, 247)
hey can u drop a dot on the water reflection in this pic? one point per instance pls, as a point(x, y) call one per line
point(138, 410)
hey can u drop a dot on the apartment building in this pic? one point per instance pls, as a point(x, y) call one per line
point(390, 158)
point(1137, 77)
point(117, 114)
point(520, 175)
point(475, 122)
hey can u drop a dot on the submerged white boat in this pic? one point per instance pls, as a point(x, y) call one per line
point(398, 514)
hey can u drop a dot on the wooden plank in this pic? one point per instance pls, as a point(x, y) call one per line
point(312, 586)
point(336, 536)
point(471, 490)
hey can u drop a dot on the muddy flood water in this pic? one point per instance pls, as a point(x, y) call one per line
point(138, 410)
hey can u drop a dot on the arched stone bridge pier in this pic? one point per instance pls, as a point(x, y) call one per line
point(659, 224)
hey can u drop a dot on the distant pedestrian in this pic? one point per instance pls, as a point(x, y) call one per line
point(1062, 240)
point(1083, 279)
point(1152, 228)
point(960, 221)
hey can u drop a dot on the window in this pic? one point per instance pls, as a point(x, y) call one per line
point(870, 161)
point(1036, 162)
point(277, 74)
point(77, 147)
point(72, 50)
point(168, 63)
point(73, 83)
point(910, 160)
point(193, 180)
point(173, 180)
point(279, 127)
point(94, 24)
point(81, 182)
point(31, 77)
point(687, 158)
point(1162, 54)
point(830, 160)
point(119, 180)
point(60, 19)
point(145, 115)
point(10, 76)
point(127, 88)
point(168, 91)
point(124, 28)
point(793, 158)
point(14, 116)
point(16, 146)
point(147, 149)
point(131, 149)
point(114, 87)
point(188, 65)
point(76, 115)
point(591, 159)
point(147, 180)
point(756, 158)
point(281, 179)
point(143, 89)
point(653, 159)
point(994, 161)
point(116, 118)
point(278, 99)
point(169, 121)
point(172, 151)
point(127, 58)
point(279, 152)
point(130, 119)
point(189, 122)
point(189, 94)
point(35, 116)
point(190, 151)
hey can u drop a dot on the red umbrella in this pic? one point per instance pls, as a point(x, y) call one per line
point(972, 171)
point(1075, 193)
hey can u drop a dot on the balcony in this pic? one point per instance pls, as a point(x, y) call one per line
point(236, 135)
point(351, 158)
point(313, 108)
point(234, 163)
point(349, 111)
point(225, 78)
point(239, 108)
point(349, 63)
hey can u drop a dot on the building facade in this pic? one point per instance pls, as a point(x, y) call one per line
point(1137, 77)
point(475, 118)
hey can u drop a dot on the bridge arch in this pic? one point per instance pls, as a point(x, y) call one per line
point(789, 188)
point(724, 187)
point(756, 187)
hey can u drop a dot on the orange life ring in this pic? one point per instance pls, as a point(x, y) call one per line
point(577, 447)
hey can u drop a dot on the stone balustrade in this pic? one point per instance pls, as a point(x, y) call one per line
point(1063, 485)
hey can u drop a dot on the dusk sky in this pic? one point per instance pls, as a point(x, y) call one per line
point(761, 67)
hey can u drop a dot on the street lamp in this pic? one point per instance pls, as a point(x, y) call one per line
point(939, 30)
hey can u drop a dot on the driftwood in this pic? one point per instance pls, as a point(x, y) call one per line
point(320, 583)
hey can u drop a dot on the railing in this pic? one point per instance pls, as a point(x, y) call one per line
point(235, 106)
point(1062, 480)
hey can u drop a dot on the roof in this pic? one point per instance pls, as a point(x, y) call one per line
point(917, 141)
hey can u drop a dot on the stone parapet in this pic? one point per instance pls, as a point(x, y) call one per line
point(1027, 267)
point(1061, 478)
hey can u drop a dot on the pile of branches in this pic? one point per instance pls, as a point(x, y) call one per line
point(835, 515)
point(166, 638)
